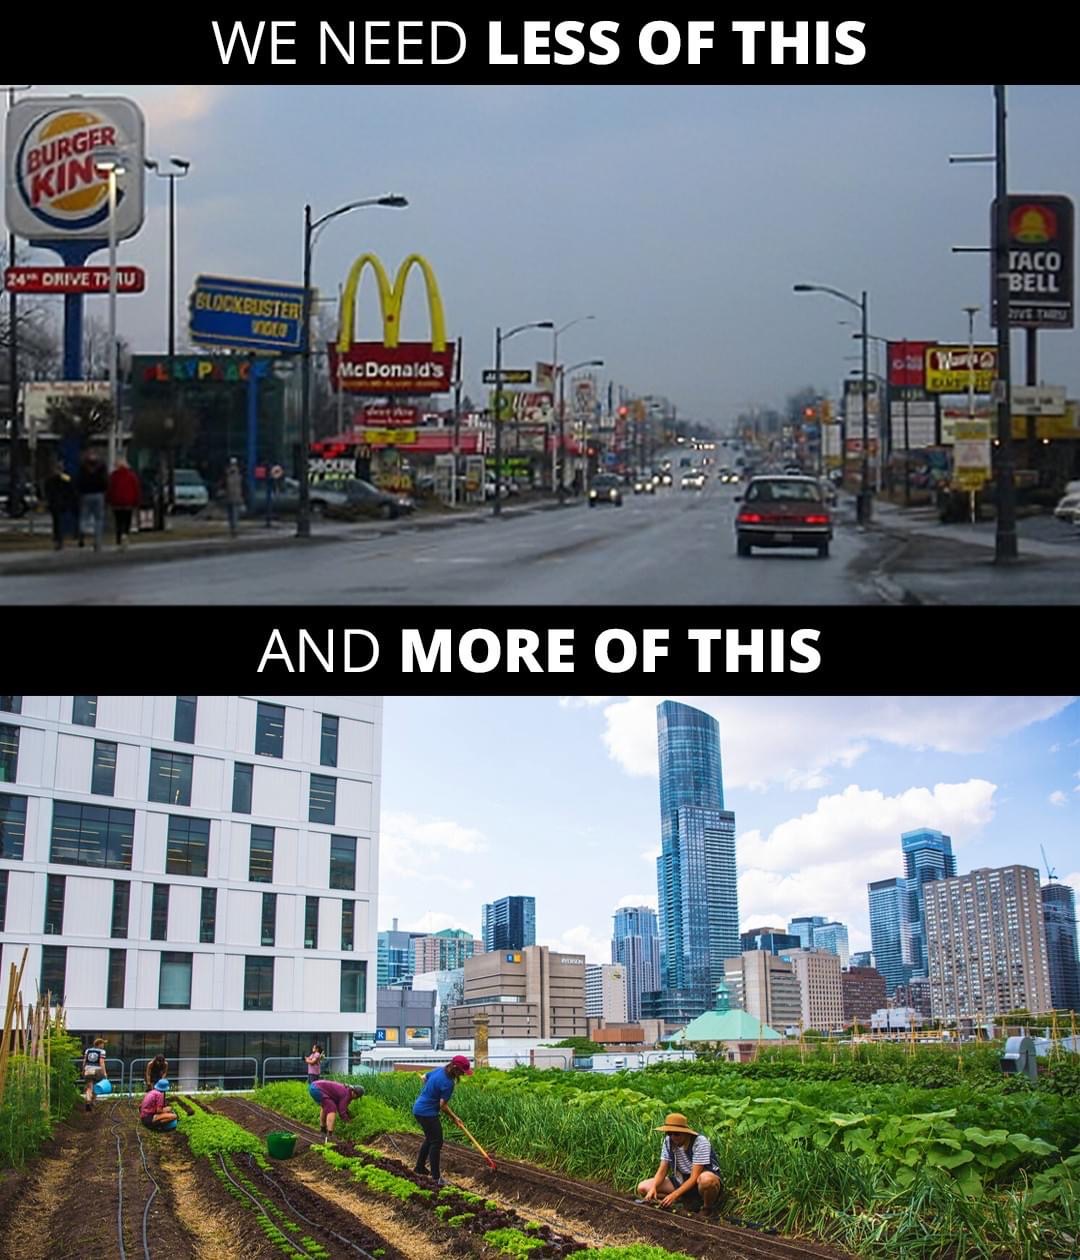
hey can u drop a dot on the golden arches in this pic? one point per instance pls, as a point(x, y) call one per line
point(390, 300)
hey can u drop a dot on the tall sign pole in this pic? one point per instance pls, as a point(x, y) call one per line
point(1005, 543)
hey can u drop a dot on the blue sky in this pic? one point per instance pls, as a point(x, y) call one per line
point(679, 216)
point(488, 797)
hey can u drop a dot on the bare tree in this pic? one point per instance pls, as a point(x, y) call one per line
point(37, 335)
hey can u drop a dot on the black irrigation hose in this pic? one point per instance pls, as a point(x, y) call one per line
point(119, 1184)
point(325, 1228)
point(262, 1211)
point(152, 1196)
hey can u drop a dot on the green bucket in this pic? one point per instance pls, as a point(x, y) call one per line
point(281, 1145)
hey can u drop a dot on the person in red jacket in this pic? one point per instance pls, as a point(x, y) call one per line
point(125, 494)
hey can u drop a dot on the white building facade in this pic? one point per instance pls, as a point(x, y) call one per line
point(195, 875)
point(605, 992)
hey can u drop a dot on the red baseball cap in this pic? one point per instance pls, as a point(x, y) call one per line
point(459, 1060)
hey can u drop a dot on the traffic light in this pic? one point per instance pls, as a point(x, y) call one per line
point(624, 411)
point(809, 413)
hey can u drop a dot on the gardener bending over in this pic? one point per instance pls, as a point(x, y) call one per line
point(434, 1100)
point(334, 1098)
point(688, 1168)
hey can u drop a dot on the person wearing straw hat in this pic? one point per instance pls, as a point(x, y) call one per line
point(688, 1172)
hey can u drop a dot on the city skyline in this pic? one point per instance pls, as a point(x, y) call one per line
point(980, 769)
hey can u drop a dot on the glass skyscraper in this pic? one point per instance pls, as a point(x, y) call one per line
point(928, 856)
point(635, 943)
point(1059, 919)
point(509, 923)
point(695, 873)
point(887, 901)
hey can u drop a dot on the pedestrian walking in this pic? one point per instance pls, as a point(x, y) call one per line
point(62, 499)
point(92, 484)
point(93, 1069)
point(434, 1100)
point(234, 494)
point(124, 496)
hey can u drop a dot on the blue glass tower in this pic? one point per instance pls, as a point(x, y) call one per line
point(695, 872)
point(509, 923)
point(887, 902)
point(635, 943)
point(928, 856)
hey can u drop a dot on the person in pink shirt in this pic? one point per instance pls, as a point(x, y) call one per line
point(153, 1110)
point(334, 1099)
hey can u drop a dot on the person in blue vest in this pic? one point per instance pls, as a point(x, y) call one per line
point(429, 1108)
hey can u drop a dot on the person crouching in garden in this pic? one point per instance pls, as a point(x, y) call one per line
point(428, 1109)
point(154, 1112)
point(334, 1099)
point(688, 1172)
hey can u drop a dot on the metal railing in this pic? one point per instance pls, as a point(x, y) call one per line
point(291, 1067)
point(224, 1072)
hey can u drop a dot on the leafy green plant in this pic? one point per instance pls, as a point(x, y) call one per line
point(636, 1251)
point(512, 1242)
point(209, 1134)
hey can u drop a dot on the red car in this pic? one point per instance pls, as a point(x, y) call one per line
point(783, 512)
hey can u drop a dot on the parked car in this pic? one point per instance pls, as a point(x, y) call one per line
point(285, 497)
point(364, 499)
point(29, 492)
point(1069, 509)
point(189, 490)
point(605, 488)
point(783, 511)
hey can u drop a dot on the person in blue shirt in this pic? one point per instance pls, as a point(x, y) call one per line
point(428, 1109)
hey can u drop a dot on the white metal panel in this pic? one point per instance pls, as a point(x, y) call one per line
point(25, 903)
point(185, 904)
point(244, 744)
point(211, 717)
point(40, 707)
point(87, 976)
point(119, 715)
point(39, 812)
point(202, 982)
point(276, 793)
point(164, 720)
point(354, 806)
point(232, 861)
point(127, 773)
point(365, 865)
point(74, 763)
point(243, 924)
point(88, 906)
point(294, 733)
point(365, 936)
point(329, 923)
point(286, 848)
point(315, 859)
point(155, 838)
point(289, 930)
point(356, 743)
point(234, 982)
point(284, 973)
point(148, 971)
point(207, 780)
point(30, 769)
point(322, 984)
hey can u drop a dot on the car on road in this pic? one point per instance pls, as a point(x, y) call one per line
point(693, 480)
point(1069, 509)
point(364, 499)
point(605, 488)
point(644, 484)
point(189, 491)
point(285, 497)
point(783, 511)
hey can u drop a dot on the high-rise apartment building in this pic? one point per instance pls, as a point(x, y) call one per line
point(635, 945)
point(1059, 916)
point(986, 944)
point(862, 958)
point(605, 992)
point(803, 928)
point(773, 939)
point(766, 987)
point(928, 856)
point(443, 951)
point(820, 990)
point(509, 923)
point(863, 992)
point(195, 875)
point(887, 910)
point(395, 957)
point(524, 993)
point(834, 938)
point(695, 873)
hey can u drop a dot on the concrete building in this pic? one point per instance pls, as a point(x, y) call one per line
point(406, 1017)
point(605, 992)
point(509, 923)
point(820, 991)
point(896, 1019)
point(766, 987)
point(733, 1031)
point(635, 944)
point(863, 992)
point(444, 951)
point(449, 990)
point(986, 943)
point(527, 993)
point(1059, 916)
point(916, 994)
point(862, 958)
point(195, 875)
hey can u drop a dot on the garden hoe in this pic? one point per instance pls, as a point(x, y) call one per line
point(490, 1162)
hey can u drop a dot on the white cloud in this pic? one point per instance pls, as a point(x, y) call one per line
point(1055, 748)
point(797, 742)
point(650, 855)
point(582, 702)
point(637, 899)
point(821, 862)
point(1057, 798)
point(174, 111)
point(428, 849)
point(580, 940)
point(436, 921)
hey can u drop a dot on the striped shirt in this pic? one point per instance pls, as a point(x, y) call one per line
point(681, 1161)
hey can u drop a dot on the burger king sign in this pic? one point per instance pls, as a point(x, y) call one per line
point(55, 191)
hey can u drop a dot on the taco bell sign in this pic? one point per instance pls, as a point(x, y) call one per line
point(54, 189)
point(1040, 262)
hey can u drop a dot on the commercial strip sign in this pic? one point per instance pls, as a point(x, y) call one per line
point(41, 397)
point(1038, 400)
point(971, 454)
point(193, 369)
point(55, 189)
point(391, 416)
point(391, 366)
point(914, 425)
point(522, 408)
point(257, 315)
point(508, 376)
point(907, 363)
point(1041, 250)
point(949, 368)
point(73, 279)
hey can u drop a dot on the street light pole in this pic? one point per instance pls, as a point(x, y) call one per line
point(587, 363)
point(1006, 548)
point(303, 513)
point(500, 337)
point(111, 167)
point(562, 418)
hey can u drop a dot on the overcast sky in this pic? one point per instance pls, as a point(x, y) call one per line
point(679, 216)
point(483, 798)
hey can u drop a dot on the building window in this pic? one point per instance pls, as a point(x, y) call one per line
point(353, 987)
point(328, 741)
point(114, 999)
point(159, 913)
point(322, 803)
point(12, 825)
point(54, 973)
point(348, 919)
point(92, 835)
point(342, 862)
point(258, 984)
point(270, 731)
point(9, 753)
point(170, 777)
point(241, 788)
point(54, 905)
point(188, 848)
point(121, 899)
point(184, 720)
point(10, 704)
point(261, 860)
point(3, 897)
point(269, 918)
point(84, 710)
point(311, 923)
point(208, 916)
point(103, 776)
point(174, 982)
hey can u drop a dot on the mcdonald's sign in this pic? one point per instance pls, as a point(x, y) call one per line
point(391, 366)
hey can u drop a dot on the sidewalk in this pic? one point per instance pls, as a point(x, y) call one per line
point(192, 538)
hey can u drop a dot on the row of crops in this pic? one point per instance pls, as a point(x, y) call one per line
point(974, 1166)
